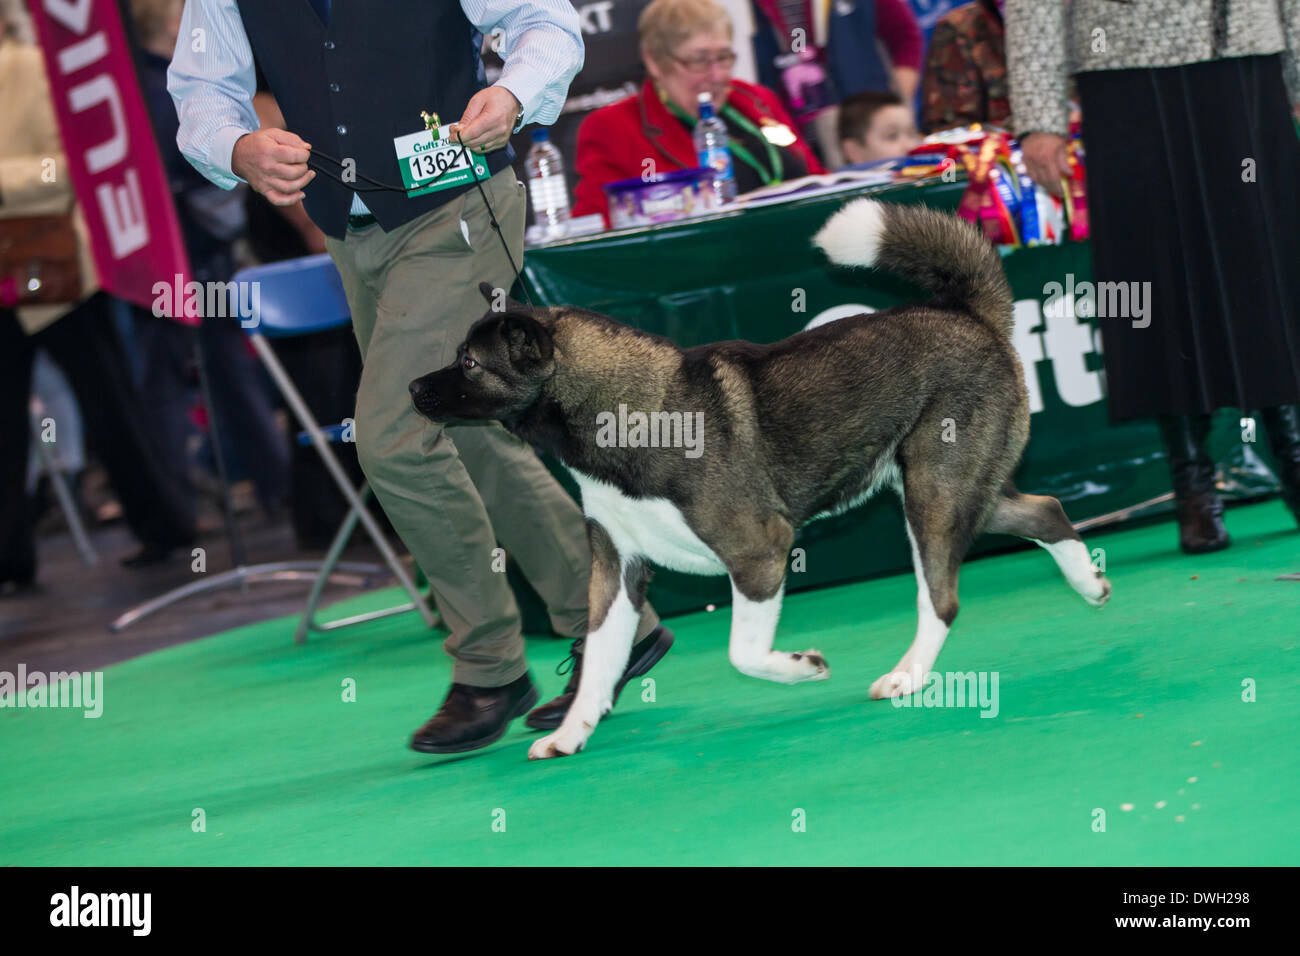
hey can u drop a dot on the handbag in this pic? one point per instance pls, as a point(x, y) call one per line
point(40, 261)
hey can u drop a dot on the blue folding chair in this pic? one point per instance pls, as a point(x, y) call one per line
point(301, 297)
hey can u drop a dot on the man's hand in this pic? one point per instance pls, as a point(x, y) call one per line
point(1046, 160)
point(274, 162)
point(489, 119)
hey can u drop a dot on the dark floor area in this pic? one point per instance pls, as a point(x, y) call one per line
point(64, 623)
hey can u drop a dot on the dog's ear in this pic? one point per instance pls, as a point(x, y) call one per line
point(528, 340)
point(499, 300)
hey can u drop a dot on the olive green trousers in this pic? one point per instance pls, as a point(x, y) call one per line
point(457, 495)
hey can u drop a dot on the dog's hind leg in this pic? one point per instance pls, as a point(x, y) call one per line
point(1041, 519)
point(940, 527)
point(615, 598)
point(757, 586)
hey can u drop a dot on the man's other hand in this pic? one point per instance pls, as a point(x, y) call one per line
point(274, 162)
point(489, 119)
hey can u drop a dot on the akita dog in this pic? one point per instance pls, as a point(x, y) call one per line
point(928, 399)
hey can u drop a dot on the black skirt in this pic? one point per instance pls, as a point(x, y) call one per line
point(1192, 187)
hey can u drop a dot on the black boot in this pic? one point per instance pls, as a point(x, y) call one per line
point(473, 717)
point(645, 655)
point(1283, 426)
point(1200, 512)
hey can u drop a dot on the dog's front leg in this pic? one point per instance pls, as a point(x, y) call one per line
point(614, 601)
point(753, 629)
point(757, 586)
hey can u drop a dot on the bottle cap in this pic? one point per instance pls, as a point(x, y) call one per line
point(541, 134)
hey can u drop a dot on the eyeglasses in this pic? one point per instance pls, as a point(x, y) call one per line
point(700, 63)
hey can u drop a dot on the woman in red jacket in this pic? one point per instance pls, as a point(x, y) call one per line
point(687, 49)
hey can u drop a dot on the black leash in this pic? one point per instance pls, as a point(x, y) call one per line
point(376, 186)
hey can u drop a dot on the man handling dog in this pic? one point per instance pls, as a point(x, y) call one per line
point(353, 78)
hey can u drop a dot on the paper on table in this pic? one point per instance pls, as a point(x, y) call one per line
point(824, 183)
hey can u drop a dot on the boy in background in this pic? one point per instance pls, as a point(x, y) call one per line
point(875, 125)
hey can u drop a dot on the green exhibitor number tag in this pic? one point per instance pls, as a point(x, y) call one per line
point(431, 160)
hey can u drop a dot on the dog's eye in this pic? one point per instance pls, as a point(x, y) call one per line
point(468, 363)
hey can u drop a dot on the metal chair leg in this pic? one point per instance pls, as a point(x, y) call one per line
point(340, 541)
point(320, 572)
point(347, 572)
point(66, 502)
point(321, 443)
point(308, 622)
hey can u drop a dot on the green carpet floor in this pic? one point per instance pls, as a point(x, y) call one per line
point(1136, 705)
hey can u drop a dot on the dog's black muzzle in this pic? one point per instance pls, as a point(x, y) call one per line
point(417, 388)
point(424, 396)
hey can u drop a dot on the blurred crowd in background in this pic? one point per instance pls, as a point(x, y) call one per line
point(122, 383)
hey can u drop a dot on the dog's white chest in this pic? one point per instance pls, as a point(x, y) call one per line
point(653, 528)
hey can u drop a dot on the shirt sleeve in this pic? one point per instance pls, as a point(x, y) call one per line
point(1037, 68)
point(212, 81)
point(900, 33)
point(541, 46)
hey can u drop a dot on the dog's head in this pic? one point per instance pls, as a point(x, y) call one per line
point(499, 370)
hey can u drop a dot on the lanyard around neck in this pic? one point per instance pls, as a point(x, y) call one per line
point(738, 149)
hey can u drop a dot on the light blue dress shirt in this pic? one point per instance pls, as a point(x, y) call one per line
point(212, 81)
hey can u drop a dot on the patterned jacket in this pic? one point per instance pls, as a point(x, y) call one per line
point(965, 70)
point(1049, 40)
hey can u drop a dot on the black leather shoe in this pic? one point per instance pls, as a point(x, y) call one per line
point(1200, 512)
point(473, 717)
point(1283, 426)
point(645, 655)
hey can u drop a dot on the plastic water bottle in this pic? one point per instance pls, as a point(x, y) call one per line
point(711, 148)
point(546, 186)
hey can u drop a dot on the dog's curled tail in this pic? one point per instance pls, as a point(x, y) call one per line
point(944, 255)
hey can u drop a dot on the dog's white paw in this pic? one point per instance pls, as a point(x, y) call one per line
point(894, 684)
point(562, 743)
point(809, 665)
point(1099, 594)
point(783, 667)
